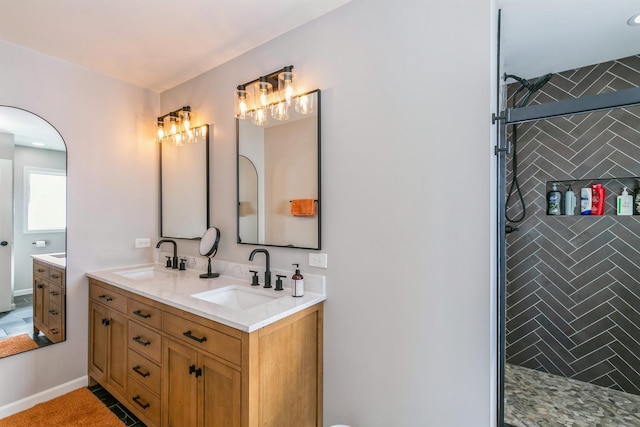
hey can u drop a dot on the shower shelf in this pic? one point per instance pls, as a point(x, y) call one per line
point(613, 188)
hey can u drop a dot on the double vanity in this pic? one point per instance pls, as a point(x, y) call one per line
point(179, 350)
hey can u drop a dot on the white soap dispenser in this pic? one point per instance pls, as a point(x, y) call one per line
point(625, 203)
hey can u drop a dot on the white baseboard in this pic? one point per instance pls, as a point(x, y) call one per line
point(22, 292)
point(43, 396)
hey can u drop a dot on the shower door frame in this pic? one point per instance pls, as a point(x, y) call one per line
point(515, 116)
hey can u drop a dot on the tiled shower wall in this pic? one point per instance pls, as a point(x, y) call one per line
point(573, 283)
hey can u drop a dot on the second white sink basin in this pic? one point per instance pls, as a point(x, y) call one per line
point(236, 297)
point(146, 273)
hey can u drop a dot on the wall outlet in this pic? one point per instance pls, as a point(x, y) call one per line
point(143, 242)
point(318, 260)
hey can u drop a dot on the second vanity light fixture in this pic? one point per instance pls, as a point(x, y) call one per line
point(270, 95)
point(177, 127)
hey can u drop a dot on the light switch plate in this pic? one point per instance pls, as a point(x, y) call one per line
point(143, 242)
point(318, 260)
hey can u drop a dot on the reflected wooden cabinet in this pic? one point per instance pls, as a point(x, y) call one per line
point(49, 289)
point(174, 368)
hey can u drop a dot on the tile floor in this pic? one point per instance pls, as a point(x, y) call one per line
point(537, 399)
point(20, 321)
point(116, 407)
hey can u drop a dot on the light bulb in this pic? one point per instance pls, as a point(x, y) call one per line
point(286, 84)
point(173, 120)
point(263, 95)
point(241, 103)
point(186, 118)
point(161, 133)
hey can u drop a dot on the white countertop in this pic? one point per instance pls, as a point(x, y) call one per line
point(175, 289)
point(57, 259)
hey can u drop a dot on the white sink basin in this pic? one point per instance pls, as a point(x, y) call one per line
point(58, 255)
point(236, 297)
point(146, 273)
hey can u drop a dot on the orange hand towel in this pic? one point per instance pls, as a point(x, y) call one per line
point(303, 207)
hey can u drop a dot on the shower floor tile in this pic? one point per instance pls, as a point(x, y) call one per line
point(537, 399)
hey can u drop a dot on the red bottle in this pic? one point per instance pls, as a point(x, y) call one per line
point(597, 199)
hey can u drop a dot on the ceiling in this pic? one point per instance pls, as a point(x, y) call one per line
point(155, 44)
point(547, 36)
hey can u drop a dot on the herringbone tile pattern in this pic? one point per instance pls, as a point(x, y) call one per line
point(573, 283)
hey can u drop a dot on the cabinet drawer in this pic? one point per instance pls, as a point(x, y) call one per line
point(207, 339)
point(144, 313)
point(55, 294)
point(106, 295)
point(144, 371)
point(145, 341)
point(144, 401)
point(55, 276)
point(55, 322)
point(40, 270)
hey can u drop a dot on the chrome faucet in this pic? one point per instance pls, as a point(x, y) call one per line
point(267, 273)
point(174, 264)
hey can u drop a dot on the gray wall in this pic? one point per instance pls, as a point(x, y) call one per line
point(409, 325)
point(573, 283)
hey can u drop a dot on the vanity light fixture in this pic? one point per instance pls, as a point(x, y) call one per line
point(272, 94)
point(177, 127)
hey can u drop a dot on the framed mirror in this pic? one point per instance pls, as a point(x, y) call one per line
point(278, 173)
point(184, 187)
point(33, 192)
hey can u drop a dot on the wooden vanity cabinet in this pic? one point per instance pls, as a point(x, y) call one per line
point(49, 288)
point(197, 372)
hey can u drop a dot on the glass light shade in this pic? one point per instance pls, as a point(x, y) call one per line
point(280, 111)
point(173, 124)
point(260, 117)
point(287, 84)
point(242, 107)
point(161, 133)
point(186, 119)
point(262, 93)
point(304, 104)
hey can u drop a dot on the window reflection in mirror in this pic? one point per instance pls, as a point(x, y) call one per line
point(33, 164)
point(277, 164)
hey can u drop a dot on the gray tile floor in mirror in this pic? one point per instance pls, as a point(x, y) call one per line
point(537, 399)
point(20, 321)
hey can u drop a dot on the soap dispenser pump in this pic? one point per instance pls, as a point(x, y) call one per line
point(625, 203)
point(297, 283)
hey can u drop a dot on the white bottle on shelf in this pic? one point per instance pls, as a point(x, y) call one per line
point(625, 203)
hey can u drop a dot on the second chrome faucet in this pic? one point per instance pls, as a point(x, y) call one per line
point(267, 272)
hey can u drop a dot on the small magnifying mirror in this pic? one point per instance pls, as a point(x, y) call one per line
point(208, 248)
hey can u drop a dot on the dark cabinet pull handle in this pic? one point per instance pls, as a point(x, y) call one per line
point(136, 399)
point(40, 286)
point(55, 331)
point(53, 312)
point(105, 298)
point(139, 341)
point(198, 372)
point(105, 322)
point(40, 270)
point(54, 293)
point(188, 335)
point(192, 369)
point(139, 372)
point(55, 276)
point(141, 314)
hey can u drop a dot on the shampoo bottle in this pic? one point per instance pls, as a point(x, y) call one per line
point(625, 203)
point(585, 201)
point(297, 283)
point(569, 202)
point(554, 200)
point(597, 199)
